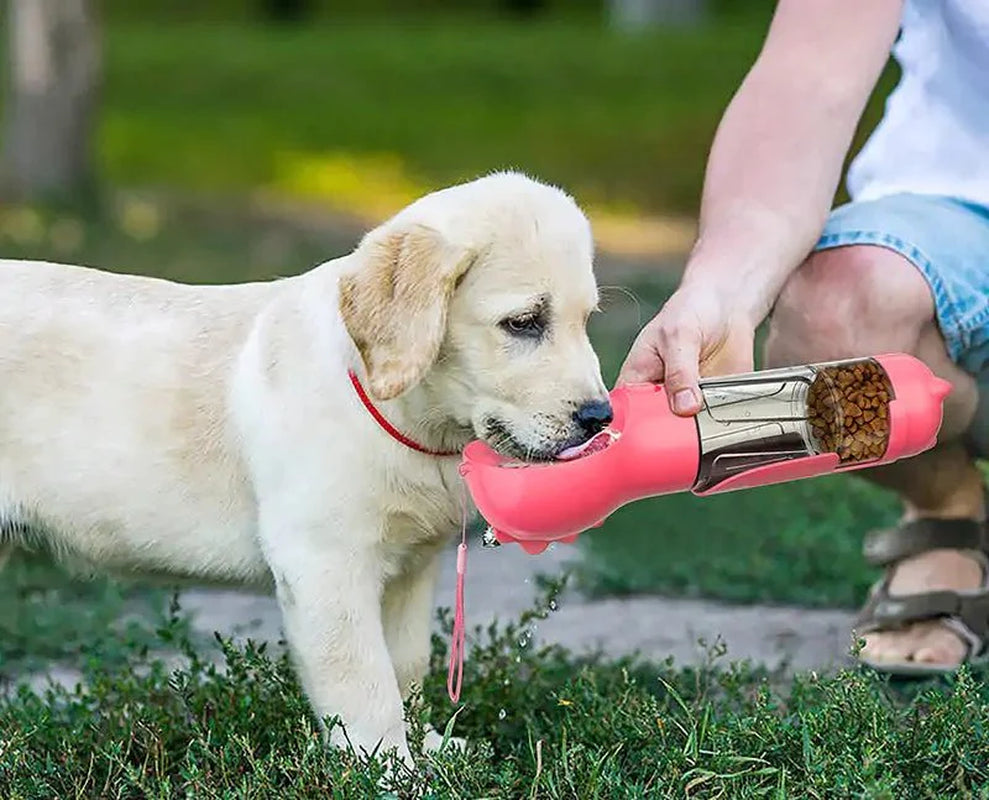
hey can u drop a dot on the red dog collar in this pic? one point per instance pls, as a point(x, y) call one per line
point(390, 429)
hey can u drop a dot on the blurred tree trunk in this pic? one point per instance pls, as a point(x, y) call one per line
point(631, 15)
point(54, 75)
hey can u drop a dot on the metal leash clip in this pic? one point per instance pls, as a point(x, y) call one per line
point(488, 538)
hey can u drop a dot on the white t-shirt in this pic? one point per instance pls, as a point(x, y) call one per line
point(934, 135)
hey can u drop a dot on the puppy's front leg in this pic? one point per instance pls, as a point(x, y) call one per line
point(331, 607)
point(407, 608)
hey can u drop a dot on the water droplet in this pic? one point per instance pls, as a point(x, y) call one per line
point(506, 682)
point(502, 714)
point(553, 605)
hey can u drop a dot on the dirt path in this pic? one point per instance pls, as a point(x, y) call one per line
point(501, 583)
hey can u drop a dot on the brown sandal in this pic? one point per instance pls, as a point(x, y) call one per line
point(965, 613)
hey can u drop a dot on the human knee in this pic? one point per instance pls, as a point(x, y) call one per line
point(847, 302)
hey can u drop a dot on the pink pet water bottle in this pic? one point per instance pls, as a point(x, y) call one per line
point(753, 430)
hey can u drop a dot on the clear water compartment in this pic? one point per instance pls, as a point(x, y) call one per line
point(773, 416)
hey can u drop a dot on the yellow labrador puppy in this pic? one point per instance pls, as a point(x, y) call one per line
point(303, 434)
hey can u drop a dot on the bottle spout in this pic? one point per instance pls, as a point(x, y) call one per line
point(940, 389)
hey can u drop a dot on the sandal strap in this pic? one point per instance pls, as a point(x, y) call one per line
point(968, 612)
point(886, 547)
point(892, 611)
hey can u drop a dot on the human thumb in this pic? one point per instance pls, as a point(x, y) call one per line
point(682, 374)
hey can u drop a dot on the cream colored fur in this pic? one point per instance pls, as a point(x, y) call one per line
point(210, 432)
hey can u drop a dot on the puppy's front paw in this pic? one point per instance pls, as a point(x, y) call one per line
point(433, 741)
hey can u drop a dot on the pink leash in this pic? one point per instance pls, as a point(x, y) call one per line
point(458, 637)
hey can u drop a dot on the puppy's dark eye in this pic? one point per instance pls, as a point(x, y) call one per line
point(528, 326)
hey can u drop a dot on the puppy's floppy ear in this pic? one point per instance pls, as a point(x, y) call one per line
point(395, 305)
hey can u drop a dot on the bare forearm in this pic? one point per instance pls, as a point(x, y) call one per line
point(771, 177)
point(776, 162)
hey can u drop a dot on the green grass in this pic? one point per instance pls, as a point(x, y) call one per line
point(191, 240)
point(447, 100)
point(797, 543)
point(540, 724)
point(47, 617)
point(365, 113)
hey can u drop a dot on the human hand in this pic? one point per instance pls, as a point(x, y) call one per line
point(698, 332)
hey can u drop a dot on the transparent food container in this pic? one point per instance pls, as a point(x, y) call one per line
point(779, 415)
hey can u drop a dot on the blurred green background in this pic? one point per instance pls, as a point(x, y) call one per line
point(366, 104)
point(233, 140)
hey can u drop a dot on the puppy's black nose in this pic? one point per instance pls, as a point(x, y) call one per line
point(593, 416)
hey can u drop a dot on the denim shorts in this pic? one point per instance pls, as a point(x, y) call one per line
point(948, 241)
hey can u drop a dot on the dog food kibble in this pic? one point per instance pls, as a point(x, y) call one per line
point(848, 410)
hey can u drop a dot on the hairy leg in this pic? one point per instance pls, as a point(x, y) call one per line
point(865, 300)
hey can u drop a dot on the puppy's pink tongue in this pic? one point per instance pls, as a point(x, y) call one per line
point(593, 445)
